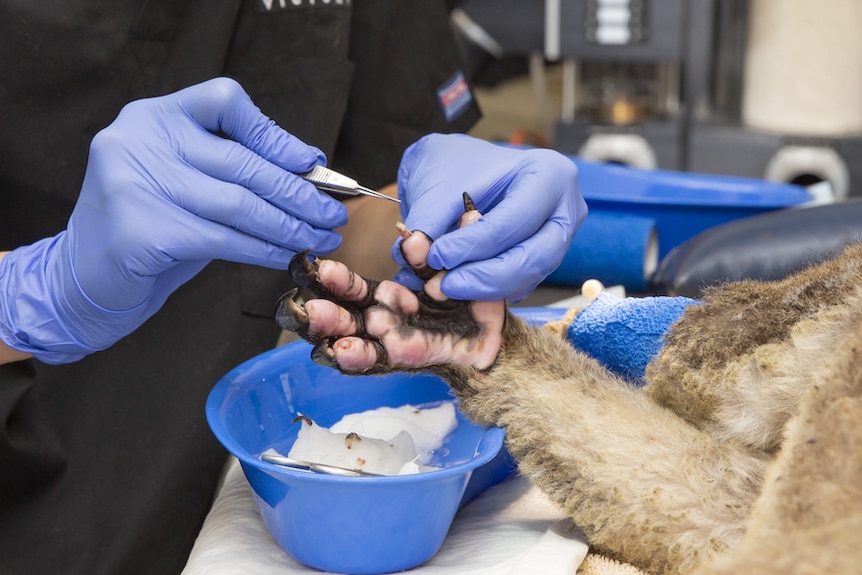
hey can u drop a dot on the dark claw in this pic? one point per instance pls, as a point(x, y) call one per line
point(469, 204)
point(323, 354)
point(303, 270)
point(290, 313)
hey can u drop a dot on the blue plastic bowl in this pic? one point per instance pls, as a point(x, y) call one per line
point(682, 204)
point(350, 525)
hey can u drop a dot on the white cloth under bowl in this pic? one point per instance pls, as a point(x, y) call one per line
point(510, 529)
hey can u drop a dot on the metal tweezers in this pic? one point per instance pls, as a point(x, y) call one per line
point(324, 468)
point(331, 181)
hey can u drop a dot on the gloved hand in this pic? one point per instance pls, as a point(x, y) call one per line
point(164, 193)
point(531, 207)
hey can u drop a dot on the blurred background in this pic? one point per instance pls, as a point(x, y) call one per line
point(763, 96)
point(759, 88)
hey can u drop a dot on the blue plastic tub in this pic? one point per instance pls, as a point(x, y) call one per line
point(344, 524)
point(356, 525)
point(682, 204)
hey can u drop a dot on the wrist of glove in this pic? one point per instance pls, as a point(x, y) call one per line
point(44, 312)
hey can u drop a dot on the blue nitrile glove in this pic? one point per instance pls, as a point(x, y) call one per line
point(530, 203)
point(625, 334)
point(164, 193)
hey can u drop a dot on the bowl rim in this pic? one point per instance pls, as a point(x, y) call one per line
point(536, 315)
point(492, 438)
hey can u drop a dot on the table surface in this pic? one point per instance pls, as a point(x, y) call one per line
point(509, 529)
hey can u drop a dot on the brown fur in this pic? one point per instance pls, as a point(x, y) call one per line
point(743, 454)
point(678, 475)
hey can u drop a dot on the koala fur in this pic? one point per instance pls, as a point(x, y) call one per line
point(743, 452)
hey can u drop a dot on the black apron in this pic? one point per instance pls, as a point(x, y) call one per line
point(107, 465)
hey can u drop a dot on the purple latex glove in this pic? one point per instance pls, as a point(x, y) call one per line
point(164, 193)
point(530, 203)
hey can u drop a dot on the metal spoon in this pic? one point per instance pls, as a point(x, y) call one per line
point(324, 468)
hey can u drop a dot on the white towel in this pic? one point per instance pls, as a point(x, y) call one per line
point(509, 529)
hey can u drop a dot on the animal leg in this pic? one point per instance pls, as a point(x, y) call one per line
point(646, 486)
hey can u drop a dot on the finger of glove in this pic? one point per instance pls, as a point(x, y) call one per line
point(437, 169)
point(436, 211)
point(221, 105)
point(407, 278)
point(209, 240)
point(512, 274)
point(523, 210)
point(231, 162)
point(257, 228)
